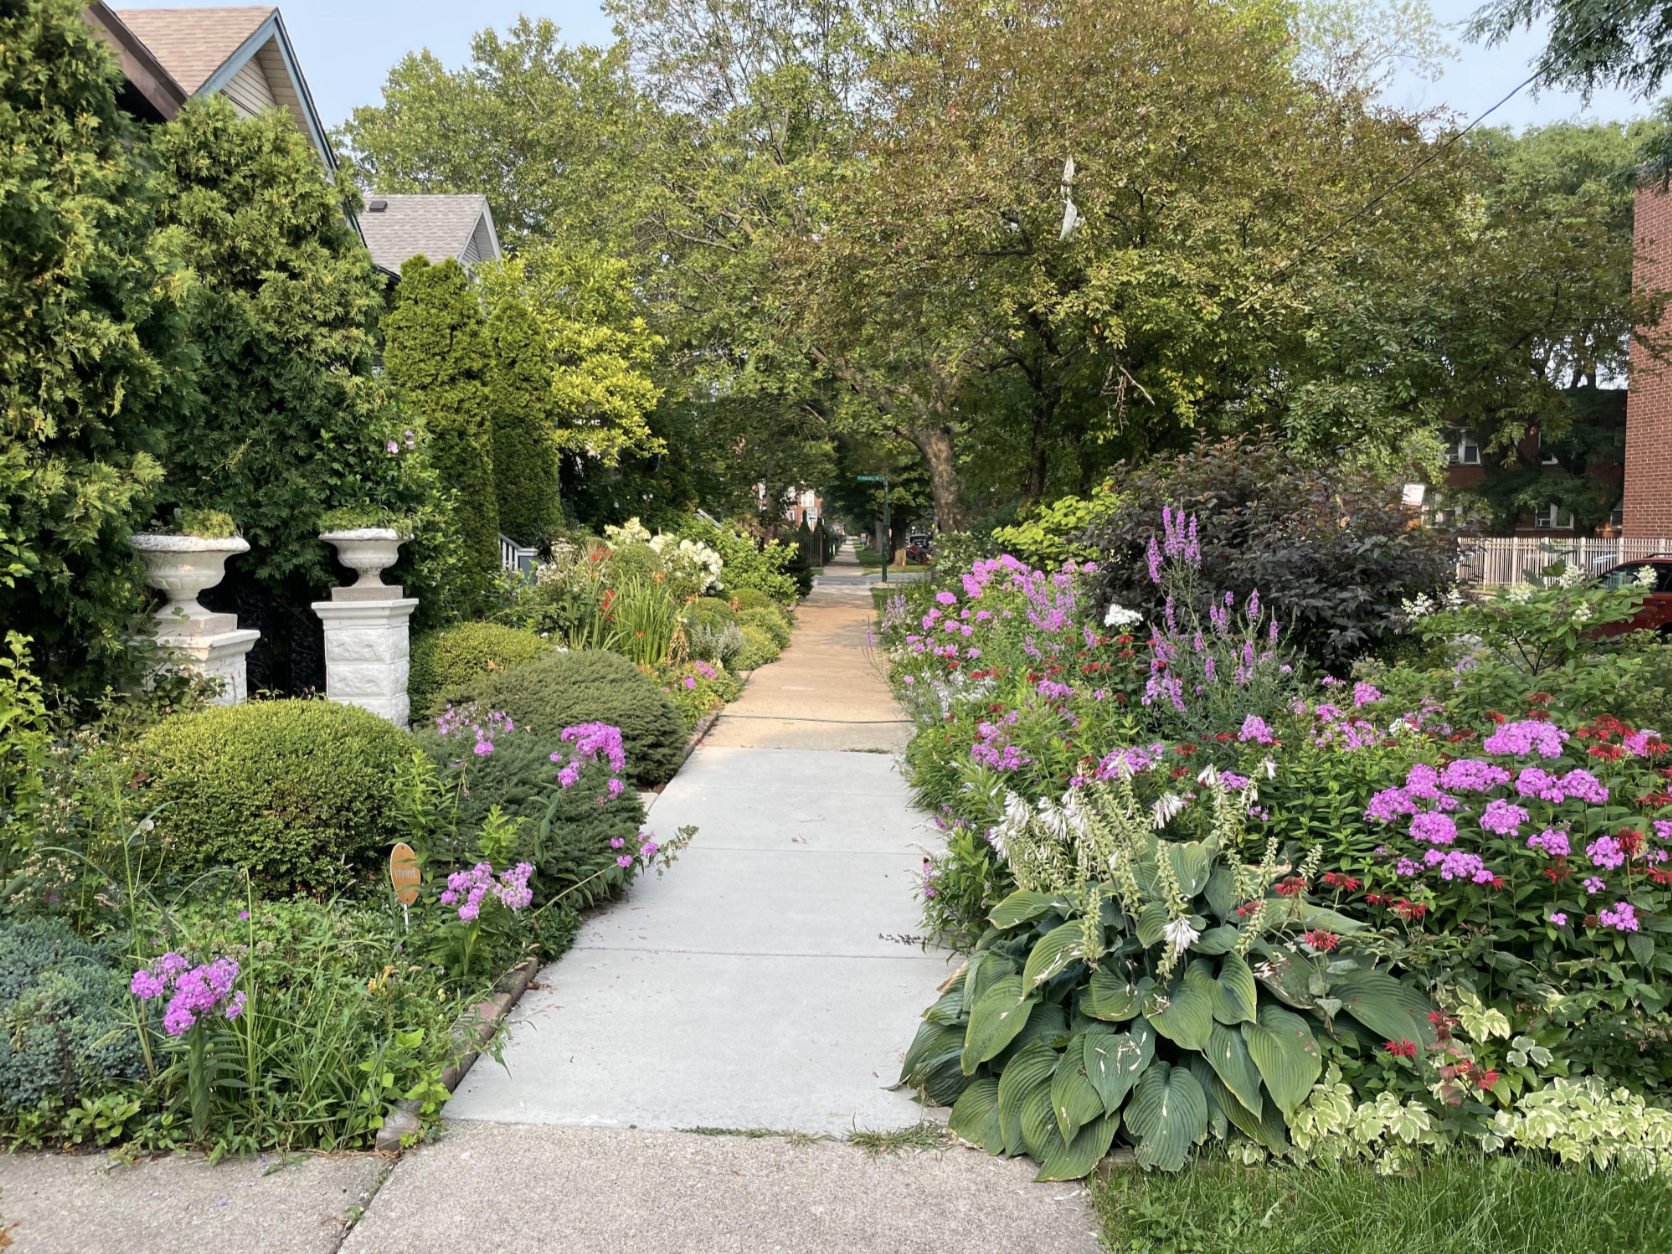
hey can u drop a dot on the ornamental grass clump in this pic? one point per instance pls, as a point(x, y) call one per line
point(1144, 979)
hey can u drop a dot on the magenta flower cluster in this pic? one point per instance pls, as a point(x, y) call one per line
point(1529, 736)
point(195, 991)
point(647, 848)
point(451, 722)
point(992, 747)
point(468, 889)
point(588, 742)
point(1622, 918)
point(1547, 786)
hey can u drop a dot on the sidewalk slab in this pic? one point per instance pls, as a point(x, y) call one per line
point(510, 1189)
point(181, 1205)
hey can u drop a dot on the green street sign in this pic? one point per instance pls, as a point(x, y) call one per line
point(872, 478)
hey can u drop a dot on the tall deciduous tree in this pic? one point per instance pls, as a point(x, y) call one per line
point(436, 354)
point(524, 442)
point(90, 346)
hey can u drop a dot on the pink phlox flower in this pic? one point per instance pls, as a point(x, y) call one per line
point(1605, 852)
point(1434, 828)
point(1622, 918)
point(1472, 775)
point(1365, 694)
point(1552, 842)
point(1502, 817)
point(1594, 883)
point(1528, 736)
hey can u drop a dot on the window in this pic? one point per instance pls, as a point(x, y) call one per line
point(1622, 576)
point(1546, 458)
point(1553, 517)
point(1617, 519)
point(1465, 451)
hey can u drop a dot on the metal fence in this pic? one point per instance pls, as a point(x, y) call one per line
point(1516, 559)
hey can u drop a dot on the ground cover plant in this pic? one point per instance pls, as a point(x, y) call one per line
point(1445, 879)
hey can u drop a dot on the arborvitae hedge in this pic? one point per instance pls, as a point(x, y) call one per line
point(520, 402)
point(436, 354)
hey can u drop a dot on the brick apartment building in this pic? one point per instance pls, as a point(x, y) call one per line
point(1648, 470)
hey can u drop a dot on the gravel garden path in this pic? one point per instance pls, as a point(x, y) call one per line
point(686, 1078)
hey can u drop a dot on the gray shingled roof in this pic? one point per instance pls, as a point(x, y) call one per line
point(193, 43)
point(438, 226)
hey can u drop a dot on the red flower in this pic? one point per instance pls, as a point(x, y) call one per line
point(1487, 1080)
point(1609, 753)
point(1539, 698)
point(1337, 880)
point(1180, 770)
point(1291, 887)
point(1185, 751)
point(1655, 800)
point(1222, 737)
point(1378, 899)
point(1409, 910)
point(1497, 881)
point(1630, 841)
point(1495, 716)
point(1321, 940)
point(1401, 1048)
point(1660, 877)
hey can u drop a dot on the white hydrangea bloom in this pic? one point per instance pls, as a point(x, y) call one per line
point(1119, 616)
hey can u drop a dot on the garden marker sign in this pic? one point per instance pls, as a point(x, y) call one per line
point(403, 873)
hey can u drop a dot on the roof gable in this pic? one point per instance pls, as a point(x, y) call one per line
point(437, 226)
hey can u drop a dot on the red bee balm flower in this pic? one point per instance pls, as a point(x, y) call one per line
point(1337, 880)
point(1291, 887)
point(1321, 940)
point(1401, 1048)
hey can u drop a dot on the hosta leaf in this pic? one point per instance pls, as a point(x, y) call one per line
point(1039, 1126)
point(1373, 998)
point(1169, 1113)
point(1235, 994)
point(1024, 907)
point(1152, 919)
point(943, 1081)
point(986, 970)
point(1074, 1101)
point(1075, 1159)
point(1185, 1017)
point(1228, 1055)
point(1047, 1022)
point(1218, 1123)
point(1001, 1013)
point(1245, 1120)
point(1054, 952)
point(975, 1118)
point(949, 1009)
point(1327, 919)
point(1114, 1063)
point(933, 1043)
point(1110, 995)
point(1029, 1072)
point(1190, 866)
point(1286, 1054)
point(1290, 976)
point(1216, 940)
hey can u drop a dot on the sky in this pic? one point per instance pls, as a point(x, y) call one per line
point(347, 47)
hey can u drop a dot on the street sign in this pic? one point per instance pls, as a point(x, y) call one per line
point(872, 478)
point(403, 873)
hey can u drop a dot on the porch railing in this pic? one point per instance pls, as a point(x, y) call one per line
point(1516, 559)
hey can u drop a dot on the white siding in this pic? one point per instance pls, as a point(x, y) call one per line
point(248, 90)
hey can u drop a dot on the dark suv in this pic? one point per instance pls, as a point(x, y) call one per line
point(1656, 614)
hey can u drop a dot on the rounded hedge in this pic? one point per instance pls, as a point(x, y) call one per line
point(758, 649)
point(769, 621)
point(714, 605)
point(586, 686)
point(753, 599)
point(456, 655)
point(302, 793)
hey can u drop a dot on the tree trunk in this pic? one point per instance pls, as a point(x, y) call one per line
point(935, 443)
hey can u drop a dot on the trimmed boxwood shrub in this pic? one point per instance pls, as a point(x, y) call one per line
point(769, 621)
point(586, 686)
point(758, 649)
point(753, 599)
point(714, 605)
point(60, 1001)
point(300, 792)
point(456, 655)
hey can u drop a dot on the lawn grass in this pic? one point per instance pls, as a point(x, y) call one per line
point(1456, 1205)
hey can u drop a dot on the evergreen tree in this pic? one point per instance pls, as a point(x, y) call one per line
point(436, 354)
point(520, 401)
point(90, 344)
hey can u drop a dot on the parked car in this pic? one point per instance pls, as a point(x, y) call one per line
point(1656, 614)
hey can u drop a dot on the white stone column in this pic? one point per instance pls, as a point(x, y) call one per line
point(195, 639)
point(222, 655)
point(368, 653)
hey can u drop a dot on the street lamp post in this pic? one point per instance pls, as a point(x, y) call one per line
point(887, 535)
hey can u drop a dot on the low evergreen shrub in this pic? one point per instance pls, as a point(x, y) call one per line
point(753, 599)
point(456, 655)
point(588, 686)
point(758, 649)
point(771, 622)
point(302, 793)
point(60, 999)
point(715, 605)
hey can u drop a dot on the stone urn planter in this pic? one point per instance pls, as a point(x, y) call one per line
point(369, 551)
point(182, 567)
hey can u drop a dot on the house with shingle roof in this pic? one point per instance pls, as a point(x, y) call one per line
point(244, 53)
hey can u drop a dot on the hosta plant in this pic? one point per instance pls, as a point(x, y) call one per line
point(1136, 980)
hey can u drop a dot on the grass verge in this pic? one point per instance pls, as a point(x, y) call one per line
point(1456, 1205)
point(920, 1136)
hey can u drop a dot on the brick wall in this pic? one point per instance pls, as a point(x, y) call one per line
point(1648, 503)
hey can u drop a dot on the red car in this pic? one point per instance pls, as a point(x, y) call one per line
point(1656, 614)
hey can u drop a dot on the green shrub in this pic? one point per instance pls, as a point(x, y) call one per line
point(60, 999)
point(712, 638)
point(456, 655)
point(590, 686)
point(758, 649)
point(302, 793)
point(714, 605)
point(753, 599)
point(769, 621)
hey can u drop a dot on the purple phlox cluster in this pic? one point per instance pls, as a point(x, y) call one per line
point(1408, 868)
point(1454, 864)
point(705, 670)
point(1605, 852)
point(1330, 681)
point(1502, 817)
point(1559, 918)
point(1637, 744)
point(196, 991)
point(1472, 775)
point(1232, 781)
point(947, 598)
point(992, 747)
point(1593, 883)
point(648, 845)
point(1365, 694)
point(1663, 828)
point(591, 739)
point(1254, 728)
point(1134, 759)
point(1551, 841)
point(1528, 736)
point(1433, 828)
point(1622, 918)
point(467, 889)
point(690, 682)
point(1350, 734)
point(1421, 784)
point(451, 722)
point(1053, 691)
point(1547, 786)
